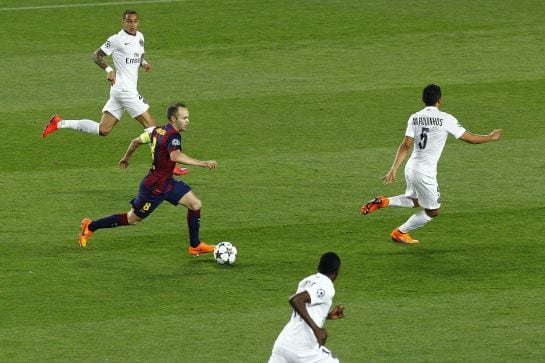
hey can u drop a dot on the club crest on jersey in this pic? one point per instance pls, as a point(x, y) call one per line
point(320, 293)
point(175, 142)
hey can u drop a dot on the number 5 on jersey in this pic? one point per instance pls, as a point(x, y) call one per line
point(423, 138)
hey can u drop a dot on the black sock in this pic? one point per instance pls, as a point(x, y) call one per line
point(115, 220)
point(193, 223)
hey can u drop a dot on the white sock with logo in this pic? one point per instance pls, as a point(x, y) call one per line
point(85, 125)
point(401, 201)
point(415, 221)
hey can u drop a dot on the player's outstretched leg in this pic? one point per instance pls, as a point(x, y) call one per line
point(377, 203)
point(85, 233)
point(52, 125)
point(401, 237)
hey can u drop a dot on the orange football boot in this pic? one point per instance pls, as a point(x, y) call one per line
point(201, 248)
point(52, 125)
point(401, 237)
point(180, 171)
point(85, 233)
point(377, 203)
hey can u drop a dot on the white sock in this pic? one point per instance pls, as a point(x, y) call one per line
point(401, 201)
point(415, 221)
point(89, 126)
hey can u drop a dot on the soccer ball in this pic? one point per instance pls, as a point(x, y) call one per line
point(225, 253)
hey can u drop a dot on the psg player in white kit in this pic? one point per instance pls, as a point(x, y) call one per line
point(426, 132)
point(127, 51)
point(303, 337)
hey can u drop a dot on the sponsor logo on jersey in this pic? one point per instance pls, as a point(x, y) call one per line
point(135, 60)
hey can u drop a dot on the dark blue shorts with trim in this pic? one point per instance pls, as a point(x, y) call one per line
point(147, 200)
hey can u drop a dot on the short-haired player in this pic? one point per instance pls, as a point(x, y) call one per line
point(426, 133)
point(127, 51)
point(159, 185)
point(303, 337)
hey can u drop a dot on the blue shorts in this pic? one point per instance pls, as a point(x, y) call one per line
point(146, 201)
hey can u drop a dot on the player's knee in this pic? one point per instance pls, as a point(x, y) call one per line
point(133, 219)
point(195, 204)
point(432, 213)
point(103, 131)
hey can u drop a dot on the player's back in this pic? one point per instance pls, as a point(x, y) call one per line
point(297, 333)
point(429, 128)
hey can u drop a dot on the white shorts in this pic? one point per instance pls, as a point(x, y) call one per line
point(424, 188)
point(130, 101)
point(318, 355)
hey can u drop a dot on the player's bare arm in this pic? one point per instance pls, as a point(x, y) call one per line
point(180, 157)
point(472, 138)
point(401, 154)
point(145, 64)
point(135, 143)
point(98, 58)
point(298, 303)
point(336, 313)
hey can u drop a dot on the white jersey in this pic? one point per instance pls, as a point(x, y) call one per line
point(126, 51)
point(429, 128)
point(297, 334)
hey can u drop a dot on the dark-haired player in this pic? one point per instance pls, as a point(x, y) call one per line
point(159, 185)
point(303, 337)
point(427, 130)
point(127, 51)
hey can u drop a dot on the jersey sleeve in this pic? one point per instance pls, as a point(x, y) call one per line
point(319, 294)
point(454, 128)
point(111, 44)
point(409, 131)
point(174, 142)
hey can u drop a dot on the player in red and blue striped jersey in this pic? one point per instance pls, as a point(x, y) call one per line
point(159, 185)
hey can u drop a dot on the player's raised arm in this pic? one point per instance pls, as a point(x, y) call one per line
point(472, 138)
point(98, 58)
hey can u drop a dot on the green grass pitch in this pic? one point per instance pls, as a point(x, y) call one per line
point(303, 104)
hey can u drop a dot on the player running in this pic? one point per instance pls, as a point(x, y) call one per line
point(159, 185)
point(127, 51)
point(303, 337)
point(429, 128)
